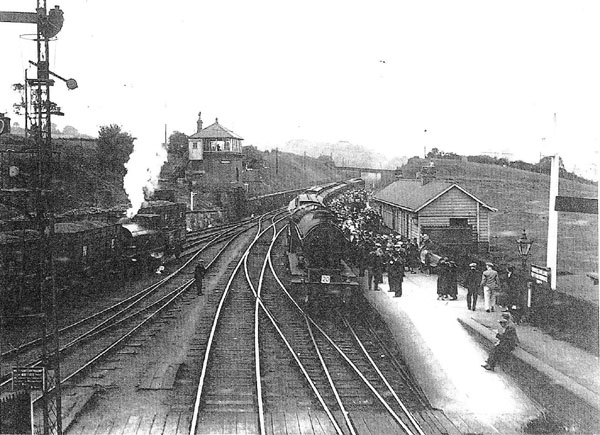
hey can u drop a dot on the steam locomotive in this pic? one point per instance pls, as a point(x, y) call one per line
point(92, 247)
point(318, 250)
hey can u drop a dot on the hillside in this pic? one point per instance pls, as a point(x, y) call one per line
point(522, 198)
point(344, 154)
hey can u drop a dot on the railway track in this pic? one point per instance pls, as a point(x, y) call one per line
point(249, 361)
point(349, 372)
point(295, 363)
point(93, 338)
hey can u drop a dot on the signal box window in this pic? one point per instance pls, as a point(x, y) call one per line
point(459, 222)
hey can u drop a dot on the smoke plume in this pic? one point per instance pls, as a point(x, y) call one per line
point(143, 170)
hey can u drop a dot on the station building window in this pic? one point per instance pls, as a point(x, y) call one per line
point(459, 222)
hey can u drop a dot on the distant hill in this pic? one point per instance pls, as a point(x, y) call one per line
point(344, 154)
point(68, 132)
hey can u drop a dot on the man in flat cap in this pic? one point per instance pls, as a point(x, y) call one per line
point(507, 342)
point(471, 283)
point(491, 285)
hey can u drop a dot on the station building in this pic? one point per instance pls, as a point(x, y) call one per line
point(446, 212)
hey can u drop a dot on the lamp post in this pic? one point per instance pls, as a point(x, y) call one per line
point(192, 194)
point(524, 245)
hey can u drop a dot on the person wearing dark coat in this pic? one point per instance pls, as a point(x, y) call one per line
point(377, 261)
point(451, 283)
point(442, 273)
point(199, 273)
point(472, 281)
point(396, 276)
point(413, 256)
point(507, 342)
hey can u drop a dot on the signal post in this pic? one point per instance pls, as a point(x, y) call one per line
point(47, 377)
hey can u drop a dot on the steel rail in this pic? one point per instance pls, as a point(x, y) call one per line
point(211, 337)
point(287, 343)
point(135, 297)
point(101, 354)
point(134, 300)
point(415, 388)
point(345, 412)
point(381, 375)
point(259, 395)
point(343, 355)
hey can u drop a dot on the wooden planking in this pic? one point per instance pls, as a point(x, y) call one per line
point(320, 427)
point(172, 423)
point(210, 424)
point(247, 423)
point(229, 422)
point(83, 429)
point(132, 425)
point(361, 426)
point(427, 415)
point(104, 428)
point(145, 425)
point(445, 422)
point(279, 426)
point(185, 421)
point(158, 424)
point(425, 424)
point(304, 423)
point(461, 425)
point(291, 423)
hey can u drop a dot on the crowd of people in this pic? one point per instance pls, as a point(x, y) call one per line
point(373, 249)
point(377, 250)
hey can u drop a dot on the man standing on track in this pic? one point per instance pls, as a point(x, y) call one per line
point(199, 273)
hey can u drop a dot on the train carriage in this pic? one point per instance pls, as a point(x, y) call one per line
point(85, 249)
point(19, 260)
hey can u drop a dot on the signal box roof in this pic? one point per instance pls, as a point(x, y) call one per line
point(215, 131)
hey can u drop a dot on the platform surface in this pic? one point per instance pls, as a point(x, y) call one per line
point(446, 359)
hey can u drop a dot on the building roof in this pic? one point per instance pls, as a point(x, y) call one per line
point(215, 131)
point(413, 196)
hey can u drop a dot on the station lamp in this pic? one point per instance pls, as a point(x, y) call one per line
point(524, 245)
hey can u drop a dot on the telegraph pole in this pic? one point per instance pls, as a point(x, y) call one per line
point(49, 24)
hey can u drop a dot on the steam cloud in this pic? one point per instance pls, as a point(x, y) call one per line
point(143, 170)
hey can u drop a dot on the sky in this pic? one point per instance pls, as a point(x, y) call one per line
point(393, 76)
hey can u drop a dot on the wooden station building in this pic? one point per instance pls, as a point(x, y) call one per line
point(446, 212)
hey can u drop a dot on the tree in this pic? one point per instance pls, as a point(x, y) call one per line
point(434, 154)
point(114, 148)
point(178, 143)
point(545, 164)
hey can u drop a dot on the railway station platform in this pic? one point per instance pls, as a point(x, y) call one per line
point(545, 382)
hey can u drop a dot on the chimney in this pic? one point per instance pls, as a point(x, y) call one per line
point(199, 123)
point(428, 173)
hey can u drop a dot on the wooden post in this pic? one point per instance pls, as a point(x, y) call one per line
point(552, 247)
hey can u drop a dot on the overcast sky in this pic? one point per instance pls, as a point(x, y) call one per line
point(477, 75)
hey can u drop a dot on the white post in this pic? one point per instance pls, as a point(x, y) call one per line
point(191, 201)
point(552, 247)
